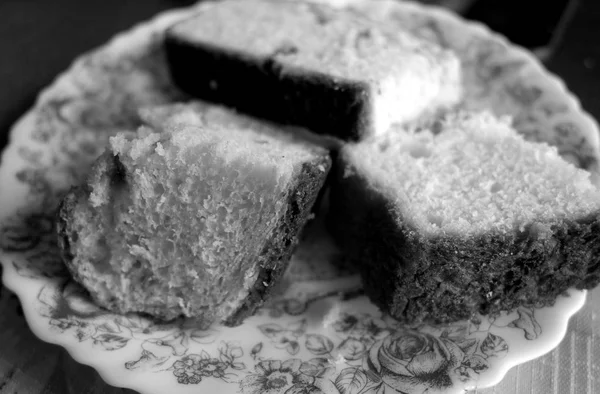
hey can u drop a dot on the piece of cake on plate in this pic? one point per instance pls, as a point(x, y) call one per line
point(330, 70)
point(194, 215)
point(465, 218)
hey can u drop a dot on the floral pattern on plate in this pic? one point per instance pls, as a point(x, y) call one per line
point(357, 350)
point(319, 333)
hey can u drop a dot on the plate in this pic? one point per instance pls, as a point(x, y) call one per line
point(318, 333)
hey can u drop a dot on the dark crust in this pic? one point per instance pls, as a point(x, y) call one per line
point(423, 279)
point(279, 248)
point(77, 197)
point(267, 88)
point(63, 217)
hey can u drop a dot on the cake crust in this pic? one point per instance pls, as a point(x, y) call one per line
point(266, 89)
point(284, 239)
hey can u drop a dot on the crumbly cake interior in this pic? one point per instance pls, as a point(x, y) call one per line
point(183, 208)
point(471, 174)
point(409, 75)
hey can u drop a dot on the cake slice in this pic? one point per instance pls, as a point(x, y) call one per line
point(194, 215)
point(467, 218)
point(331, 71)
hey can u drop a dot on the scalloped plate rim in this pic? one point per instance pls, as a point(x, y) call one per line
point(75, 352)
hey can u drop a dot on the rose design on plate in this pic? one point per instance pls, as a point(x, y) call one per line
point(415, 362)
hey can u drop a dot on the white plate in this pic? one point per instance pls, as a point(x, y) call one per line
point(318, 333)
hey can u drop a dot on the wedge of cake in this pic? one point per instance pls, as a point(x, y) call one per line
point(194, 215)
point(464, 219)
point(329, 70)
